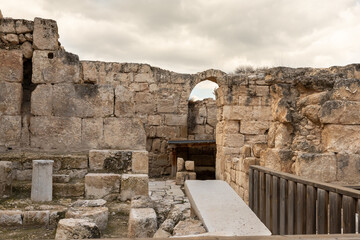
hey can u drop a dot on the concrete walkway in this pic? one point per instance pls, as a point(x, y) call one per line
point(221, 210)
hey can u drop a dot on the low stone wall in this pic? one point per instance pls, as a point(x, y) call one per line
point(69, 170)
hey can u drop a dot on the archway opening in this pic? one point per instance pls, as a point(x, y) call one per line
point(200, 146)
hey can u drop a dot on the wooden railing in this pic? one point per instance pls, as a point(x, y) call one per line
point(288, 204)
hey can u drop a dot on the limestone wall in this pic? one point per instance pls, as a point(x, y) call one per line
point(303, 121)
point(202, 119)
point(68, 105)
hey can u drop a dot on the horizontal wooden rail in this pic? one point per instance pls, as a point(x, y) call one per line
point(289, 204)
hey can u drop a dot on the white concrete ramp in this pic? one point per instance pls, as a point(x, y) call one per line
point(221, 210)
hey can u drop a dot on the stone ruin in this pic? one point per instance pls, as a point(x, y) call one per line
point(107, 126)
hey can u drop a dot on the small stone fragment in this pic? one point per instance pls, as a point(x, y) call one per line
point(168, 225)
point(89, 203)
point(29, 37)
point(12, 38)
point(190, 165)
point(27, 50)
point(142, 202)
point(188, 227)
point(181, 177)
point(160, 233)
point(180, 164)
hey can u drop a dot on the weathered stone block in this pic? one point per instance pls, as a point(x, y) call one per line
point(346, 89)
point(71, 228)
point(257, 148)
point(247, 113)
point(166, 106)
point(311, 112)
point(233, 140)
point(124, 133)
point(140, 162)
point(36, 218)
point(181, 177)
point(142, 223)
point(133, 185)
point(154, 120)
point(55, 67)
point(319, 167)
point(144, 77)
point(23, 175)
point(231, 127)
point(10, 98)
point(55, 132)
point(98, 185)
point(99, 215)
point(277, 159)
point(348, 168)
point(89, 203)
point(254, 127)
point(92, 132)
point(180, 164)
point(6, 177)
point(7, 25)
point(340, 112)
point(10, 218)
point(11, 68)
point(82, 100)
point(10, 130)
point(175, 120)
point(71, 161)
point(111, 160)
point(24, 26)
point(45, 34)
point(41, 100)
point(65, 190)
point(189, 227)
point(190, 165)
point(341, 138)
point(61, 178)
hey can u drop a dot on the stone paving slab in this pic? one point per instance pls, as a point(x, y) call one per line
point(221, 210)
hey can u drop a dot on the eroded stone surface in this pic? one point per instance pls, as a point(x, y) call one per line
point(99, 215)
point(45, 34)
point(6, 178)
point(98, 185)
point(10, 218)
point(134, 184)
point(142, 223)
point(189, 227)
point(116, 161)
point(76, 228)
point(11, 68)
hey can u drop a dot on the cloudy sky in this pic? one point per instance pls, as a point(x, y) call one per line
point(194, 35)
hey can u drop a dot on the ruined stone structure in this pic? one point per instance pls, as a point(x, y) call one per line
point(303, 121)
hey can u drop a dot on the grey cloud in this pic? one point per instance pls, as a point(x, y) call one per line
point(193, 35)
